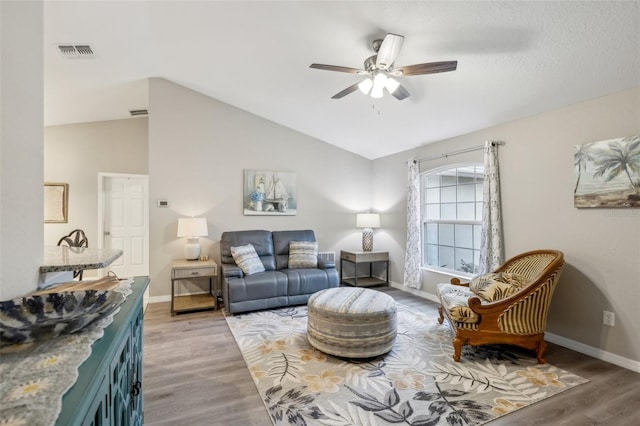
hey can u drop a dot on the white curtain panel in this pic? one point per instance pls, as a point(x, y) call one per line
point(491, 246)
point(412, 262)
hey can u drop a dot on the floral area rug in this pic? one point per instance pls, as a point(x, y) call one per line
point(417, 383)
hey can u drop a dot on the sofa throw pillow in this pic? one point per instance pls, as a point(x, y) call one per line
point(303, 254)
point(497, 285)
point(247, 259)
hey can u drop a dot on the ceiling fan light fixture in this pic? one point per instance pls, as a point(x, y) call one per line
point(379, 81)
point(377, 92)
point(391, 85)
point(365, 86)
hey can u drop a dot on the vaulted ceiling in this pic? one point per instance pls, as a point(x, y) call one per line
point(515, 59)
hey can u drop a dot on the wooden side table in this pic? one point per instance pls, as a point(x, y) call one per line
point(189, 269)
point(359, 257)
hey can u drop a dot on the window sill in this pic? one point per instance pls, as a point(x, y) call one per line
point(449, 273)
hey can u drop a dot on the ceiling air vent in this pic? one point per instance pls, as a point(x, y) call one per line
point(137, 112)
point(76, 51)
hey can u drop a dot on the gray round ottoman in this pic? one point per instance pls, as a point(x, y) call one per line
point(351, 322)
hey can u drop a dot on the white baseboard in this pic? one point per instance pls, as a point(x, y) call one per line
point(600, 354)
point(415, 291)
point(160, 299)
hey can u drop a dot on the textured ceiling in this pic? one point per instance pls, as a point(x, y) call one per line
point(515, 59)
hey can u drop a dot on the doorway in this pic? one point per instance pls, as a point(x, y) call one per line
point(123, 221)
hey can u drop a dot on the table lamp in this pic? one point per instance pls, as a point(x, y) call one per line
point(192, 228)
point(368, 221)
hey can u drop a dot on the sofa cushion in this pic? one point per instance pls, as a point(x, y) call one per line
point(281, 240)
point(247, 259)
point(268, 284)
point(259, 239)
point(497, 285)
point(307, 281)
point(303, 254)
point(454, 299)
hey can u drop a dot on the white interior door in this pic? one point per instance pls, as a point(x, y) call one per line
point(125, 222)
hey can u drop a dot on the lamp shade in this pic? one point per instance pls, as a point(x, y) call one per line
point(367, 220)
point(192, 227)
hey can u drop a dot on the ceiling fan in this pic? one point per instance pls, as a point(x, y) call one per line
point(380, 71)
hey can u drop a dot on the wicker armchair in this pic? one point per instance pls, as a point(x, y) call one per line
point(515, 315)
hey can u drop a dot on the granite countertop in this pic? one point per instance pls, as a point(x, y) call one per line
point(64, 258)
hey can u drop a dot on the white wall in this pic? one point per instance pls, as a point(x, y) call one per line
point(198, 150)
point(76, 153)
point(21, 118)
point(601, 246)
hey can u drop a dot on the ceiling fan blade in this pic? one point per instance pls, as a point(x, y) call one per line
point(428, 68)
point(346, 91)
point(337, 68)
point(389, 50)
point(400, 93)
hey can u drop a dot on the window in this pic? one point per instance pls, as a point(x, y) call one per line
point(452, 218)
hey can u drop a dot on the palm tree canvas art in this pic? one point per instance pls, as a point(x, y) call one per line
point(608, 173)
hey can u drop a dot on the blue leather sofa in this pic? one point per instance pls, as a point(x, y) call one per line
point(278, 285)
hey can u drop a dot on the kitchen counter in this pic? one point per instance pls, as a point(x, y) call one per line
point(64, 258)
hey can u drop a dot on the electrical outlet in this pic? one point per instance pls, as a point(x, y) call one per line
point(608, 318)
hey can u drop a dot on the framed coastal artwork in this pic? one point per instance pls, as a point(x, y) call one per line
point(56, 198)
point(608, 173)
point(270, 193)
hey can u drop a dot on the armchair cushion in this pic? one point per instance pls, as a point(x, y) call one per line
point(454, 299)
point(497, 285)
point(303, 254)
point(247, 259)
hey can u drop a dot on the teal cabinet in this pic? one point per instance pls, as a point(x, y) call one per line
point(100, 405)
point(109, 386)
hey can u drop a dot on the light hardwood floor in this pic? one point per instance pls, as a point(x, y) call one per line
point(194, 374)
